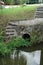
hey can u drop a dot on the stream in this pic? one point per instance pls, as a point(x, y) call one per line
point(24, 56)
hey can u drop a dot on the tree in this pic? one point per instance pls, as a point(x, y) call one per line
point(15, 2)
point(19, 2)
point(22, 1)
point(33, 1)
point(9, 2)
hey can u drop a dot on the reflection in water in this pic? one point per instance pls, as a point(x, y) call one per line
point(18, 58)
point(26, 58)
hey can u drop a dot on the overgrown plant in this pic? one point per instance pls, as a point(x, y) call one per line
point(15, 42)
point(34, 38)
point(3, 47)
point(1, 35)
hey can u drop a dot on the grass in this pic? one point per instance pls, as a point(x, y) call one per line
point(15, 42)
point(17, 13)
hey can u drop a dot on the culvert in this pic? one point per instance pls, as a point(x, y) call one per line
point(26, 36)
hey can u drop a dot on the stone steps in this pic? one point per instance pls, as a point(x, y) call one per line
point(39, 12)
point(40, 7)
point(10, 30)
point(38, 16)
point(10, 27)
point(13, 23)
point(10, 34)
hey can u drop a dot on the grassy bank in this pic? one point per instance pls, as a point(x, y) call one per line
point(15, 42)
point(17, 13)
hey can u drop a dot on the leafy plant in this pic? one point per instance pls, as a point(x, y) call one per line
point(9, 2)
point(34, 38)
point(17, 42)
point(14, 42)
point(3, 49)
point(1, 35)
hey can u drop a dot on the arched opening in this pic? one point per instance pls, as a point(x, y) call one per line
point(26, 36)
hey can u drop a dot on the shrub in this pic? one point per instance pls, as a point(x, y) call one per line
point(3, 49)
point(34, 38)
point(9, 2)
point(1, 35)
point(15, 42)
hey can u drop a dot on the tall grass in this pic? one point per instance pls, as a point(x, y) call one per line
point(17, 13)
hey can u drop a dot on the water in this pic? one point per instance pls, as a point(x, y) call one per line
point(28, 58)
point(24, 56)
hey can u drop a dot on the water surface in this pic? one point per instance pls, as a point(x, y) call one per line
point(24, 56)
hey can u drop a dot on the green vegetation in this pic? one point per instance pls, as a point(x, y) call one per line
point(9, 2)
point(15, 42)
point(17, 13)
point(3, 48)
point(17, 2)
point(6, 48)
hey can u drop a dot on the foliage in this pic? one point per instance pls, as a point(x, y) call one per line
point(15, 42)
point(3, 49)
point(33, 1)
point(22, 2)
point(9, 2)
point(1, 35)
point(34, 38)
point(17, 2)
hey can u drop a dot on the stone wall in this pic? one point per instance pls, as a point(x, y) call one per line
point(19, 29)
